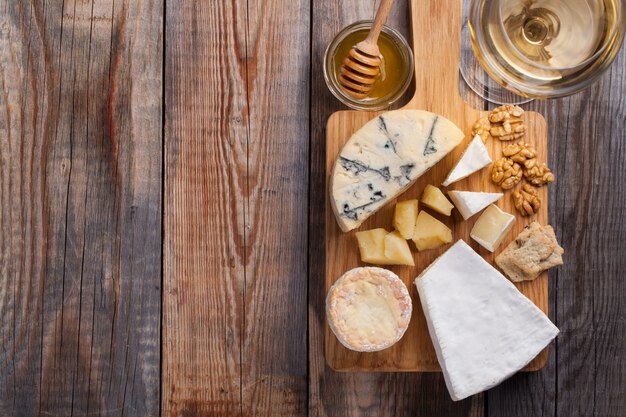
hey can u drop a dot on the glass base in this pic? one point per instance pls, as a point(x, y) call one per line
point(478, 80)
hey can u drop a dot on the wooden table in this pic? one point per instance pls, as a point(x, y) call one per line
point(161, 218)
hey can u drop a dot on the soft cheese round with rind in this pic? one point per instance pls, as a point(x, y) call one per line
point(368, 309)
point(483, 329)
point(384, 158)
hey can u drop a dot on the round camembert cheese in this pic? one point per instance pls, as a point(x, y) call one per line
point(368, 309)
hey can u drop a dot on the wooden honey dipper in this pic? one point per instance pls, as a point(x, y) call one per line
point(361, 67)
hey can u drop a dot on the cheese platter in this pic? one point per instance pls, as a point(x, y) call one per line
point(435, 113)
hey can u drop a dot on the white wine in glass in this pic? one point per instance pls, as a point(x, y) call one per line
point(546, 48)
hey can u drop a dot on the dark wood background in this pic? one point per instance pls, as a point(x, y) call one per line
point(161, 219)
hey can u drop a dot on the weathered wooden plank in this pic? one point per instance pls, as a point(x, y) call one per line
point(204, 242)
point(274, 346)
point(80, 176)
point(237, 102)
point(355, 394)
point(585, 375)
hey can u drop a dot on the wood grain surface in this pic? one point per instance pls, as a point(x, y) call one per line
point(80, 207)
point(83, 168)
point(234, 337)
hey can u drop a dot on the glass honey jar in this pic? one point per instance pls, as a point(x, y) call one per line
point(396, 69)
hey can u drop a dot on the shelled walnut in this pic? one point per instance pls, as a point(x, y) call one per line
point(522, 153)
point(506, 123)
point(507, 111)
point(482, 128)
point(527, 200)
point(506, 173)
point(539, 175)
point(509, 130)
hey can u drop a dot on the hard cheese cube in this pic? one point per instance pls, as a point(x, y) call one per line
point(397, 250)
point(404, 217)
point(436, 200)
point(372, 246)
point(491, 227)
point(379, 247)
point(430, 233)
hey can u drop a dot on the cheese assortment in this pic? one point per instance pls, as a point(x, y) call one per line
point(368, 309)
point(475, 158)
point(483, 329)
point(469, 203)
point(491, 227)
point(384, 158)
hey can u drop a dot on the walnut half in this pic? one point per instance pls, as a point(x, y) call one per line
point(522, 153)
point(526, 200)
point(504, 122)
point(507, 123)
point(539, 175)
point(482, 128)
point(506, 173)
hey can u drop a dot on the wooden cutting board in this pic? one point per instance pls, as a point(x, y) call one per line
point(436, 27)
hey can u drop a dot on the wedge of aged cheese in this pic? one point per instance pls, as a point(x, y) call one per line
point(483, 329)
point(436, 200)
point(383, 158)
point(368, 309)
point(475, 158)
point(491, 227)
point(469, 203)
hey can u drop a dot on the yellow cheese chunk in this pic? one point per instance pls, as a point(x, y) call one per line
point(436, 200)
point(430, 233)
point(397, 249)
point(372, 246)
point(491, 227)
point(404, 217)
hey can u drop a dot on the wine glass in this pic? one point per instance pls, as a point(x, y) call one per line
point(540, 48)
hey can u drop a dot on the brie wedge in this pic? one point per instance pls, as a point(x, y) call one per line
point(368, 309)
point(484, 330)
point(469, 203)
point(475, 158)
point(491, 227)
point(384, 158)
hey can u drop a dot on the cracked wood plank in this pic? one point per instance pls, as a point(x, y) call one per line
point(236, 185)
point(80, 207)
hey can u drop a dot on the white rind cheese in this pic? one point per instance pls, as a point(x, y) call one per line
point(475, 158)
point(491, 227)
point(469, 203)
point(368, 309)
point(484, 330)
point(384, 158)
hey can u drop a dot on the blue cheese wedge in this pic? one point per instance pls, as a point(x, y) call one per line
point(384, 158)
point(368, 309)
point(484, 330)
point(475, 158)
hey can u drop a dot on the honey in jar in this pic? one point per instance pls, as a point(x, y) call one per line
point(395, 72)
